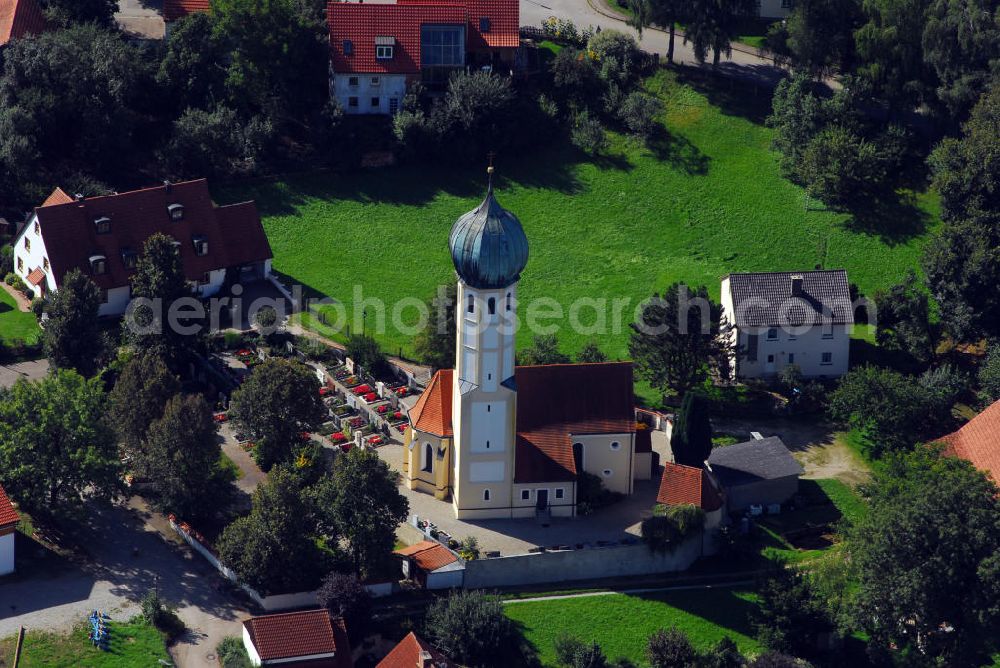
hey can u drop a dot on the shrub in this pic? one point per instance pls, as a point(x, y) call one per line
point(575, 78)
point(588, 134)
point(670, 649)
point(638, 112)
point(837, 165)
point(266, 317)
point(14, 281)
point(233, 340)
point(216, 143)
point(158, 615)
point(989, 376)
point(670, 525)
point(618, 55)
point(6, 259)
point(232, 653)
point(345, 596)
point(38, 306)
point(470, 627)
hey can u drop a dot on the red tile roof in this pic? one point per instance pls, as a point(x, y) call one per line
point(58, 196)
point(8, 515)
point(178, 9)
point(558, 400)
point(36, 276)
point(19, 18)
point(361, 23)
point(234, 233)
point(432, 412)
point(295, 634)
point(978, 441)
point(428, 555)
point(686, 484)
point(407, 654)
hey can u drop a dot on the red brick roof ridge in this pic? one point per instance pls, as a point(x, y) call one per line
point(406, 653)
point(978, 441)
point(8, 515)
point(293, 634)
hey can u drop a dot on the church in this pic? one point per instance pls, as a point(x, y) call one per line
point(505, 441)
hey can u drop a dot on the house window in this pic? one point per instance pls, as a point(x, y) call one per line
point(484, 24)
point(791, 358)
point(376, 81)
point(103, 225)
point(486, 495)
point(45, 263)
point(348, 47)
point(428, 457)
point(753, 342)
point(828, 335)
point(607, 473)
point(129, 258)
point(20, 264)
point(27, 244)
point(559, 493)
point(487, 445)
point(525, 494)
point(615, 445)
point(352, 81)
point(772, 334)
point(38, 228)
point(352, 102)
point(393, 105)
point(200, 245)
point(471, 308)
point(492, 306)
point(176, 212)
point(98, 264)
point(383, 52)
point(508, 301)
point(787, 4)
point(827, 359)
point(770, 359)
point(578, 457)
point(376, 101)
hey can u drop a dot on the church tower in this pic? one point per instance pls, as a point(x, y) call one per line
point(489, 250)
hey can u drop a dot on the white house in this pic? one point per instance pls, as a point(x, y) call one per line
point(775, 9)
point(103, 237)
point(785, 318)
point(306, 638)
point(8, 525)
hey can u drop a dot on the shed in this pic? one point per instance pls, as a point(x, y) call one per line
point(760, 471)
point(307, 638)
point(8, 526)
point(432, 565)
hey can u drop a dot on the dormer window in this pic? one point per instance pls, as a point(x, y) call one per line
point(98, 265)
point(484, 24)
point(129, 258)
point(200, 244)
point(348, 47)
point(176, 212)
point(384, 47)
point(102, 225)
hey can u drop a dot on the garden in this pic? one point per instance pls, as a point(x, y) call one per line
point(132, 644)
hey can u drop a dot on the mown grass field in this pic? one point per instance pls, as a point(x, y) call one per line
point(133, 645)
point(704, 199)
point(621, 624)
point(14, 324)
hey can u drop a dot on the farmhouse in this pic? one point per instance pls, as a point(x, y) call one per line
point(506, 442)
point(761, 472)
point(20, 18)
point(308, 638)
point(8, 525)
point(785, 318)
point(378, 49)
point(978, 441)
point(413, 652)
point(103, 237)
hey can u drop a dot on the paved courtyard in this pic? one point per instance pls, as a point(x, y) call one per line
point(620, 521)
point(11, 373)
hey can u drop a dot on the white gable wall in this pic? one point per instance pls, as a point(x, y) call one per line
point(30, 253)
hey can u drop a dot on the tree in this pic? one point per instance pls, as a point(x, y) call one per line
point(679, 338)
point(638, 112)
point(567, 647)
point(588, 134)
point(272, 549)
point(618, 55)
point(691, 439)
point(838, 165)
point(967, 169)
point(771, 659)
point(591, 353)
point(820, 34)
point(544, 351)
point(713, 24)
point(469, 627)
point(181, 457)
point(366, 505)
point(725, 654)
point(663, 13)
point(72, 336)
point(160, 282)
point(435, 344)
point(365, 350)
point(797, 115)
point(475, 114)
point(345, 596)
point(989, 376)
point(277, 62)
point(65, 12)
point(670, 648)
point(590, 655)
point(138, 398)
point(789, 618)
point(926, 555)
point(891, 53)
point(216, 143)
point(55, 446)
point(904, 319)
point(192, 70)
point(274, 406)
point(961, 41)
point(575, 78)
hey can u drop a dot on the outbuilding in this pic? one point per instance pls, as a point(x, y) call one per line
point(760, 472)
point(431, 565)
point(8, 527)
point(308, 638)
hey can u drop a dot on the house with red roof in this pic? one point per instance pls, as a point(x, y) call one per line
point(103, 237)
point(19, 19)
point(8, 526)
point(414, 652)
point(309, 638)
point(978, 441)
point(175, 10)
point(378, 49)
point(507, 441)
point(431, 565)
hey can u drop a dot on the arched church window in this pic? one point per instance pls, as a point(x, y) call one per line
point(492, 305)
point(428, 457)
point(486, 495)
point(472, 304)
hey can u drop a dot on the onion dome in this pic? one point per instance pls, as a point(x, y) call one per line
point(488, 245)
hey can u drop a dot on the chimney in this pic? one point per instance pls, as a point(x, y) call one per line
point(425, 660)
point(797, 285)
point(166, 184)
point(78, 197)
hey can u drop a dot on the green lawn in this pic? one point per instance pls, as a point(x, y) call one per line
point(705, 199)
point(133, 645)
point(828, 501)
point(15, 324)
point(621, 623)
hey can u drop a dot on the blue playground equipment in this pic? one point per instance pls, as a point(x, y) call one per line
point(100, 631)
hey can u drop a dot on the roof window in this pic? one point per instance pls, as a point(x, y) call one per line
point(176, 212)
point(348, 47)
point(98, 265)
point(484, 24)
point(102, 225)
point(200, 242)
